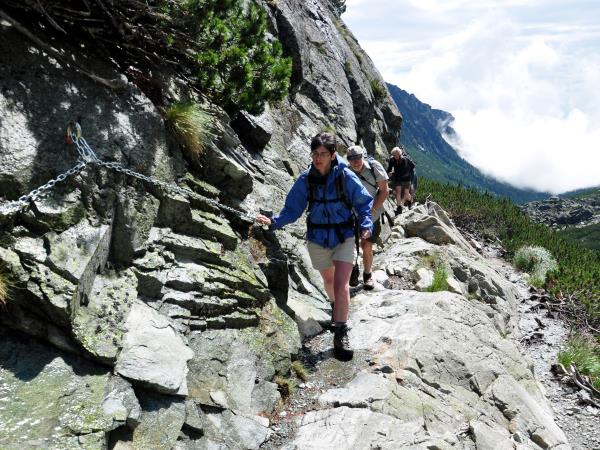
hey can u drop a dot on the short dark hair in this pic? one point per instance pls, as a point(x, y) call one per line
point(324, 139)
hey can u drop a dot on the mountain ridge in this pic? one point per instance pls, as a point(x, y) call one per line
point(423, 130)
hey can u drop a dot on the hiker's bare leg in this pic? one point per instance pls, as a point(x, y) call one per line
point(407, 196)
point(367, 250)
point(402, 195)
point(327, 275)
point(398, 195)
point(341, 289)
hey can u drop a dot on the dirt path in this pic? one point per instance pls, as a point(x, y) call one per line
point(326, 372)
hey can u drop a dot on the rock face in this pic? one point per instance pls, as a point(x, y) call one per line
point(55, 400)
point(471, 389)
point(182, 313)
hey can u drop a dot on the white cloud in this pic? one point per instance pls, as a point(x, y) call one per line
point(524, 88)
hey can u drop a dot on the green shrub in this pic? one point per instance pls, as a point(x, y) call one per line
point(191, 125)
point(440, 279)
point(584, 354)
point(234, 62)
point(379, 91)
point(536, 261)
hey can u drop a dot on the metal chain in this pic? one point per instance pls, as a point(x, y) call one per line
point(42, 191)
point(88, 156)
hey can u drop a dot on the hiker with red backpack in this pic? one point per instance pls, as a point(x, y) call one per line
point(374, 179)
point(333, 195)
point(401, 170)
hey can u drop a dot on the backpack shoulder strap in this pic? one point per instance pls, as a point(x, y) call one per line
point(340, 187)
point(372, 167)
point(311, 193)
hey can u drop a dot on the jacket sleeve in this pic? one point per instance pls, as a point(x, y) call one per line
point(295, 204)
point(390, 166)
point(361, 200)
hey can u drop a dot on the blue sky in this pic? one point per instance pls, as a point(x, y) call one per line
point(521, 77)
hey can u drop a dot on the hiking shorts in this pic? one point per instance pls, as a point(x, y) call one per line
point(323, 258)
point(402, 184)
point(376, 231)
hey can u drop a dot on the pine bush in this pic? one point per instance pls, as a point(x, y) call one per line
point(234, 62)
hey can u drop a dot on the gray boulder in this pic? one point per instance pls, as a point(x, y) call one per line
point(431, 223)
point(77, 254)
point(467, 273)
point(160, 423)
point(153, 353)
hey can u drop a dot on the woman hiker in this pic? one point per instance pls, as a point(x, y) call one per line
point(330, 190)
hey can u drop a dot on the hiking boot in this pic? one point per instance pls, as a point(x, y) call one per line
point(409, 205)
point(368, 283)
point(398, 210)
point(341, 343)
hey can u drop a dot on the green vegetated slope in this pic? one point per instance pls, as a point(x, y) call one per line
point(593, 192)
point(588, 236)
point(578, 272)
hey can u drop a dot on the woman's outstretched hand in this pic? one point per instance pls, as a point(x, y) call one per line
point(365, 234)
point(263, 220)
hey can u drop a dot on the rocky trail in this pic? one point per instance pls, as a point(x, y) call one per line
point(352, 404)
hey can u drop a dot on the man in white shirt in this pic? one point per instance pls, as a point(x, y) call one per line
point(374, 178)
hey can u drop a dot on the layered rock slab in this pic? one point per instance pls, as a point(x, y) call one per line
point(49, 399)
point(451, 380)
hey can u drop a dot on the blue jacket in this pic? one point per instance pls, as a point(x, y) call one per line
point(329, 212)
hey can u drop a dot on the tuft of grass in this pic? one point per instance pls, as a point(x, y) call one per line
point(583, 353)
point(378, 89)
point(286, 386)
point(300, 370)
point(536, 261)
point(191, 125)
point(3, 289)
point(440, 279)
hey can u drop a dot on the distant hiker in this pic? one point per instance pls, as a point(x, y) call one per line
point(401, 171)
point(330, 190)
point(374, 179)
